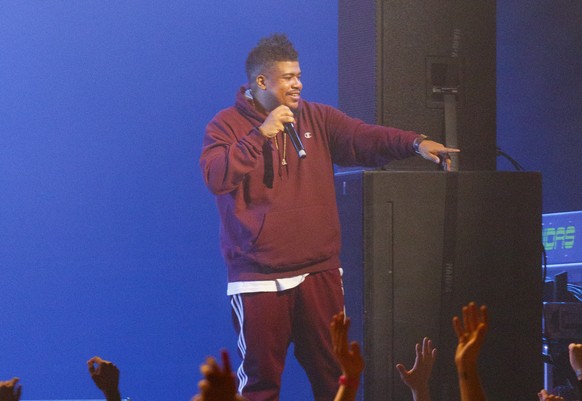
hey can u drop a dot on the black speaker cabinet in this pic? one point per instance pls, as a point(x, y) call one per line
point(393, 53)
point(417, 246)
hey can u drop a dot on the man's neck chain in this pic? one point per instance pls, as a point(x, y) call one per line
point(284, 158)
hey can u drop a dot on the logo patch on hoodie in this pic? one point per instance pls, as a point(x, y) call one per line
point(308, 135)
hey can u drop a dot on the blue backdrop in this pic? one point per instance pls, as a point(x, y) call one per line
point(108, 237)
point(539, 94)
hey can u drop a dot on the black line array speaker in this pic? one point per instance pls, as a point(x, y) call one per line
point(396, 56)
point(417, 246)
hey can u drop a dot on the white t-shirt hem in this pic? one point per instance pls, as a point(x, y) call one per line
point(281, 284)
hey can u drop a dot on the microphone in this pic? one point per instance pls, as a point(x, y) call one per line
point(292, 132)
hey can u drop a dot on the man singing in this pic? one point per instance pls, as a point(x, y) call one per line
point(280, 233)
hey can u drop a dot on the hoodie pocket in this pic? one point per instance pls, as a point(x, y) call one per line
point(297, 237)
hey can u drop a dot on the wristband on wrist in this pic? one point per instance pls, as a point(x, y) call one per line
point(352, 383)
point(417, 142)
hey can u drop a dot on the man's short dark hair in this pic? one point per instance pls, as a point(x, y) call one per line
point(268, 51)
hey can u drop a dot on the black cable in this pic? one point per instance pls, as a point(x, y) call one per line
point(514, 162)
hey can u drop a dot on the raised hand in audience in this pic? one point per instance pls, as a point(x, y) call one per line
point(218, 383)
point(470, 335)
point(10, 390)
point(544, 396)
point(106, 376)
point(349, 357)
point(575, 354)
point(418, 377)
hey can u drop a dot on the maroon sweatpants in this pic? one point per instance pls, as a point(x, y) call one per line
point(270, 321)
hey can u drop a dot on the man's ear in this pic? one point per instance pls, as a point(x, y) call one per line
point(261, 82)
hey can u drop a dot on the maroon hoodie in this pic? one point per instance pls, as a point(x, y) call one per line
point(281, 221)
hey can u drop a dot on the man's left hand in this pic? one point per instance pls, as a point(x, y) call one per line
point(436, 152)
